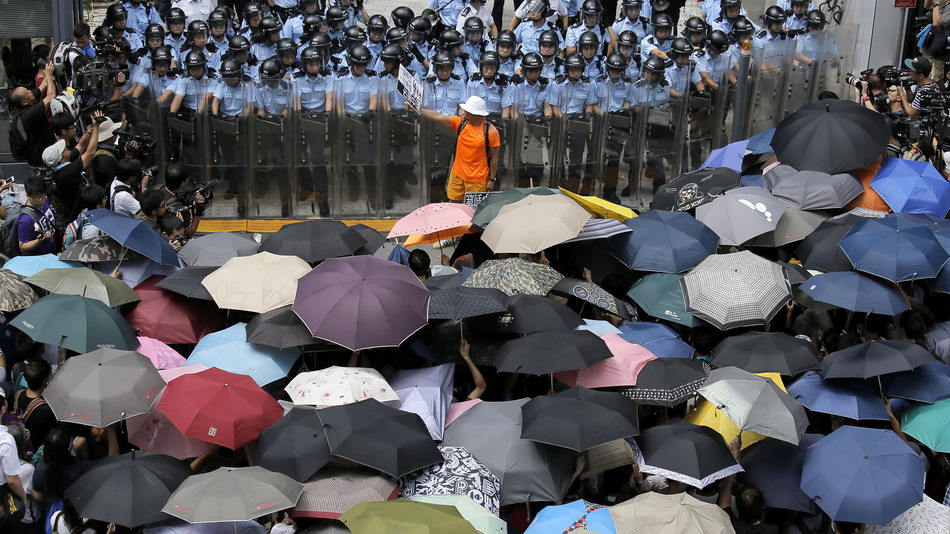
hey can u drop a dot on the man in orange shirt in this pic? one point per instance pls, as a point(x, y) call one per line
point(476, 158)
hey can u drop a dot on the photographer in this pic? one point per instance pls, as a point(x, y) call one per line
point(920, 68)
point(67, 167)
point(173, 230)
point(124, 189)
point(871, 93)
point(153, 208)
point(936, 50)
point(176, 179)
point(30, 107)
point(34, 227)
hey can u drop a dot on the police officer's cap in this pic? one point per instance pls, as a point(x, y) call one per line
point(359, 55)
point(377, 22)
point(321, 40)
point(238, 43)
point(391, 52)
point(161, 54)
point(532, 60)
point(473, 24)
point(286, 46)
point(718, 40)
point(269, 25)
point(694, 25)
point(490, 57)
point(507, 37)
point(743, 27)
point(654, 64)
point(218, 16)
point(335, 15)
point(616, 61)
point(311, 53)
point(231, 68)
point(270, 69)
point(402, 15)
point(116, 12)
point(574, 61)
point(196, 28)
point(816, 19)
point(195, 58)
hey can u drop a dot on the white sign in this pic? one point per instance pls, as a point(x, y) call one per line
point(410, 88)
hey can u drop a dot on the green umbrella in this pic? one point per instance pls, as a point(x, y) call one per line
point(794, 225)
point(87, 283)
point(480, 518)
point(76, 323)
point(489, 207)
point(15, 294)
point(405, 517)
point(929, 424)
point(661, 296)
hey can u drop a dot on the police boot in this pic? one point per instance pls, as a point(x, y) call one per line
point(610, 194)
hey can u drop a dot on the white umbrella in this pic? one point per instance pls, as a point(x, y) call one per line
point(336, 386)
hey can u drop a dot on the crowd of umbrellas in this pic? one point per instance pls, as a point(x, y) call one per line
point(397, 455)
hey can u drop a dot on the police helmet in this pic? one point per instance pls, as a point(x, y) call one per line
point(154, 31)
point(662, 21)
point(774, 15)
point(473, 24)
point(391, 52)
point(251, 10)
point(681, 46)
point(420, 25)
point(574, 61)
point(101, 36)
point(401, 16)
point(161, 54)
point(743, 27)
point(588, 38)
point(321, 40)
point(627, 38)
point(311, 53)
point(507, 37)
point(729, 4)
point(694, 25)
point(231, 68)
point(655, 65)
point(116, 12)
point(449, 39)
point(195, 58)
point(395, 35)
point(336, 16)
point(312, 23)
point(196, 28)
point(354, 35)
point(377, 23)
point(286, 46)
point(359, 55)
point(271, 69)
point(218, 17)
point(616, 61)
point(632, 3)
point(443, 58)
point(239, 43)
point(718, 41)
point(532, 60)
point(816, 19)
point(591, 8)
point(489, 57)
point(175, 15)
point(549, 38)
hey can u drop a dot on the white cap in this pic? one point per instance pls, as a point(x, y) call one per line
point(475, 105)
point(54, 153)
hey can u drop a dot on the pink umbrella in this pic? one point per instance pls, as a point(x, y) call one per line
point(153, 432)
point(620, 370)
point(432, 218)
point(458, 408)
point(163, 356)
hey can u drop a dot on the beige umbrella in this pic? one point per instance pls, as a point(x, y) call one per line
point(669, 514)
point(535, 223)
point(258, 283)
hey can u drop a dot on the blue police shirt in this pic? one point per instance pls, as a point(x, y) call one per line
point(445, 97)
point(355, 91)
point(192, 89)
point(312, 92)
point(272, 99)
point(496, 96)
point(573, 97)
point(234, 100)
point(531, 97)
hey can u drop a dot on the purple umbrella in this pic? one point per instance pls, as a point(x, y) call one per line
point(361, 302)
point(426, 392)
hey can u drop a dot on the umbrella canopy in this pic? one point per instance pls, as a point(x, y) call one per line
point(219, 407)
point(741, 214)
point(461, 474)
point(528, 471)
point(76, 323)
point(925, 517)
point(406, 517)
point(427, 393)
point(669, 514)
point(855, 292)
point(279, 328)
point(761, 143)
point(729, 156)
point(928, 383)
point(572, 516)
point(489, 207)
point(661, 296)
point(128, 490)
point(450, 233)
point(780, 482)
point(172, 318)
point(314, 241)
point(812, 190)
point(894, 249)
point(863, 475)
point(874, 358)
point(483, 520)
point(334, 490)
point(30, 265)
point(296, 445)
point(767, 352)
point(374, 239)
point(794, 225)
point(528, 314)
point(102, 387)
point(16, 294)
point(912, 187)
point(600, 229)
point(232, 494)
point(362, 302)
point(708, 415)
point(153, 432)
point(795, 273)
point(846, 397)
point(692, 454)
point(598, 207)
point(336, 386)
point(134, 234)
point(694, 189)
point(432, 218)
point(214, 250)
point(668, 382)
point(461, 302)
point(86, 283)
point(928, 423)
point(550, 352)
point(579, 418)
point(515, 276)
point(819, 251)
point(187, 282)
point(830, 136)
point(229, 350)
point(535, 223)
point(592, 293)
point(737, 289)
point(95, 250)
point(620, 370)
point(275, 282)
point(135, 271)
point(161, 355)
point(665, 242)
point(444, 281)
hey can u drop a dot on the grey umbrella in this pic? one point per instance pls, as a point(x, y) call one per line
point(812, 190)
point(741, 214)
point(214, 250)
point(233, 494)
point(187, 282)
point(794, 225)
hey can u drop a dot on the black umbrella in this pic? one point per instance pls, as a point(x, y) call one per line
point(874, 358)
point(460, 302)
point(530, 313)
point(579, 418)
point(692, 454)
point(819, 251)
point(128, 490)
point(695, 188)
point(668, 381)
point(550, 352)
point(795, 273)
point(295, 446)
point(444, 281)
point(592, 293)
point(830, 136)
point(373, 238)
point(187, 282)
point(314, 241)
point(767, 352)
point(280, 328)
point(379, 436)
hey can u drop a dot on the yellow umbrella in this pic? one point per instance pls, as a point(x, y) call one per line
point(599, 207)
point(704, 413)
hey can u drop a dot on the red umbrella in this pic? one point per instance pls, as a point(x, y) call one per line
point(219, 407)
point(171, 318)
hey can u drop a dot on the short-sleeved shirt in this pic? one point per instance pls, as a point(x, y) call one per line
point(39, 133)
point(9, 461)
point(28, 230)
point(123, 202)
point(471, 160)
point(922, 90)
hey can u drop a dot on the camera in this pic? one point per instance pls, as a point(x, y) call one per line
point(98, 76)
point(864, 76)
point(144, 146)
point(188, 197)
point(904, 128)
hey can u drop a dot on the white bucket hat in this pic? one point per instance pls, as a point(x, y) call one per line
point(475, 105)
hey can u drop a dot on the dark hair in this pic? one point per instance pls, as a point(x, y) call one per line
point(827, 95)
point(419, 262)
point(847, 528)
point(35, 186)
point(61, 121)
point(35, 373)
point(92, 196)
point(703, 340)
point(151, 201)
point(876, 323)
point(750, 504)
point(81, 30)
point(913, 324)
point(170, 223)
point(175, 175)
point(40, 53)
point(128, 168)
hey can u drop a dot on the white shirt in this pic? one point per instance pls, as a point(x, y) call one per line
point(9, 460)
point(194, 9)
point(123, 202)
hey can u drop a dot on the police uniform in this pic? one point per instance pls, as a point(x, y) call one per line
point(594, 67)
point(460, 69)
point(374, 48)
point(508, 66)
point(221, 48)
point(409, 62)
point(176, 44)
point(312, 92)
point(764, 38)
point(475, 53)
point(211, 56)
point(139, 17)
point(551, 70)
point(575, 30)
point(714, 67)
point(273, 98)
point(612, 94)
point(136, 42)
point(527, 34)
point(229, 149)
point(651, 43)
point(795, 23)
point(713, 9)
point(192, 88)
point(448, 10)
point(641, 27)
point(723, 24)
point(633, 67)
point(354, 93)
point(293, 28)
point(813, 48)
point(158, 85)
point(263, 51)
point(572, 98)
point(680, 77)
point(400, 155)
point(533, 147)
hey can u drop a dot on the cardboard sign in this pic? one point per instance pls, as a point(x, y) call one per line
point(410, 88)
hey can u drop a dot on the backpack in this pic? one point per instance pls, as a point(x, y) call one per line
point(74, 230)
point(485, 124)
point(8, 232)
point(18, 145)
point(118, 189)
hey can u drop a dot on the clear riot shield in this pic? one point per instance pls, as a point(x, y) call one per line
point(801, 82)
point(401, 187)
point(768, 86)
point(504, 175)
point(615, 146)
point(722, 110)
point(660, 121)
point(158, 128)
point(831, 53)
point(356, 146)
point(575, 159)
point(695, 125)
point(186, 127)
point(271, 181)
point(533, 137)
point(229, 140)
point(311, 148)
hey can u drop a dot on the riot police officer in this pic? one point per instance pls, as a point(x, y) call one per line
point(681, 73)
point(401, 17)
point(613, 89)
point(588, 45)
point(233, 100)
point(312, 85)
point(774, 30)
point(399, 151)
point(731, 13)
point(658, 44)
point(529, 31)
point(451, 42)
point(294, 26)
point(715, 61)
point(198, 42)
point(573, 98)
point(160, 82)
point(632, 20)
point(264, 46)
point(175, 38)
point(252, 21)
point(272, 100)
point(474, 43)
point(695, 32)
point(219, 23)
point(628, 46)
point(591, 21)
point(549, 46)
point(355, 89)
point(419, 29)
point(444, 92)
point(376, 33)
point(508, 58)
point(117, 20)
point(239, 48)
point(534, 111)
point(651, 96)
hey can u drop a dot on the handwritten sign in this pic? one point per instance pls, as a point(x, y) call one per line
point(410, 88)
point(474, 199)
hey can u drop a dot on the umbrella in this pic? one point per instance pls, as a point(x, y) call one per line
point(128, 490)
point(845, 397)
point(729, 156)
point(830, 136)
point(928, 424)
point(161, 355)
point(102, 387)
point(761, 143)
point(427, 393)
point(334, 490)
point(795, 273)
point(664, 242)
point(601, 328)
point(767, 352)
point(335, 386)
point(362, 302)
point(229, 350)
point(95, 250)
point(812, 190)
point(593, 294)
point(279, 328)
point(856, 292)
point(528, 471)
point(432, 218)
point(16, 294)
point(658, 338)
point(296, 445)
point(515, 276)
point(661, 296)
point(579, 418)
point(874, 358)
point(780, 482)
point(741, 214)
point(794, 225)
point(737, 289)
point(926, 517)
point(85, 283)
point(488, 208)
point(894, 249)
point(571, 516)
point(819, 251)
point(75, 323)
point(314, 241)
point(232, 494)
point(450, 233)
point(219, 407)
point(600, 229)
point(480, 518)
point(214, 250)
point(187, 282)
point(694, 189)
point(172, 318)
point(406, 517)
point(668, 382)
point(928, 383)
point(598, 207)
point(374, 239)
point(30, 265)
point(135, 271)
point(458, 303)
point(863, 475)
point(755, 404)
point(620, 370)
point(528, 314)
point(460, 475)
point(173, 525)
point(669, 514)
point(153, 432)
point(379, 436)
point(445, 281)
point(549, 352)
point(535, 223)
point(134, 234)
point(912, 187)
point(708, 415)
point(692, 454)
point(274, 282)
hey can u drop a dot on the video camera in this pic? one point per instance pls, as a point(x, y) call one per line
point(905, 129)
point(99, 76)
point(143, 144)
point(188, 197)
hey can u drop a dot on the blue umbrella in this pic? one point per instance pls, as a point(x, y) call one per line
point(752, 180)
point(137, 270)
point(134, 234)
point(928, 383)
point(30, 265)
point(894, 249)
point(863, 475)
point(912, 187)
point(856, 292)
point(851, 398)
point(761, 143)
point(664, 241)
point(780, 482)
point(729, 156)
point(229, 350)
point(566, 517)
point(400, 255)
point(657, 338)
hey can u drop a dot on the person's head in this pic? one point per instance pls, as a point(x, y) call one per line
point(443, 62)
point(662, 27)
point(913, 325)
point(312, 60)
point(358, 57)
point(36, 373)
point(232, 71)
point(376, 28)
point(680, 51)
point(695, 31)
point(591, 11)
point(152, 204)
point(505, 44)
point(587, 44)
point(488, 64)
point(161, 60)
point(451, 41)
point(270, 27)
point(731, 9)
point(537, 9)
point(154, 36)
point(626, 43)
point(195, 63)
point(531, 65)
point(402, 16)
point(218, 23)
point(654, 69)
point(198, 33)
point(799, 7)
point(176, 176)
point(21, 97)
point(36, 191)
point(252, 14)
point(574, 65)
point(176, 21)
point(116, 16)
point(419, 263)
point(307, 7)
point(21, 436)
point(873, 326)
point(474, 28)
point(129, 171)
point(171, 226)
point(419, 28)
point(336, 19)
point(631, 8)
point(717, 43)
point(750, 504)
point(919, 69)
point(94, 197)
point(474, 109)
point(815, 22)
point(616, 65)
point(64, 126)
point(354, 35)
point(81, 34)
point(286, 51)
point(774, 19)
point(828, 95)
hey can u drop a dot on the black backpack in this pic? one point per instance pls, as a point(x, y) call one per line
point(18, 145)
point(8, 232)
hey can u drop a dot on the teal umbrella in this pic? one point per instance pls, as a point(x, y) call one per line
point(489, 207)
point(929, 424)
point(661, 296)
point(76, 323)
